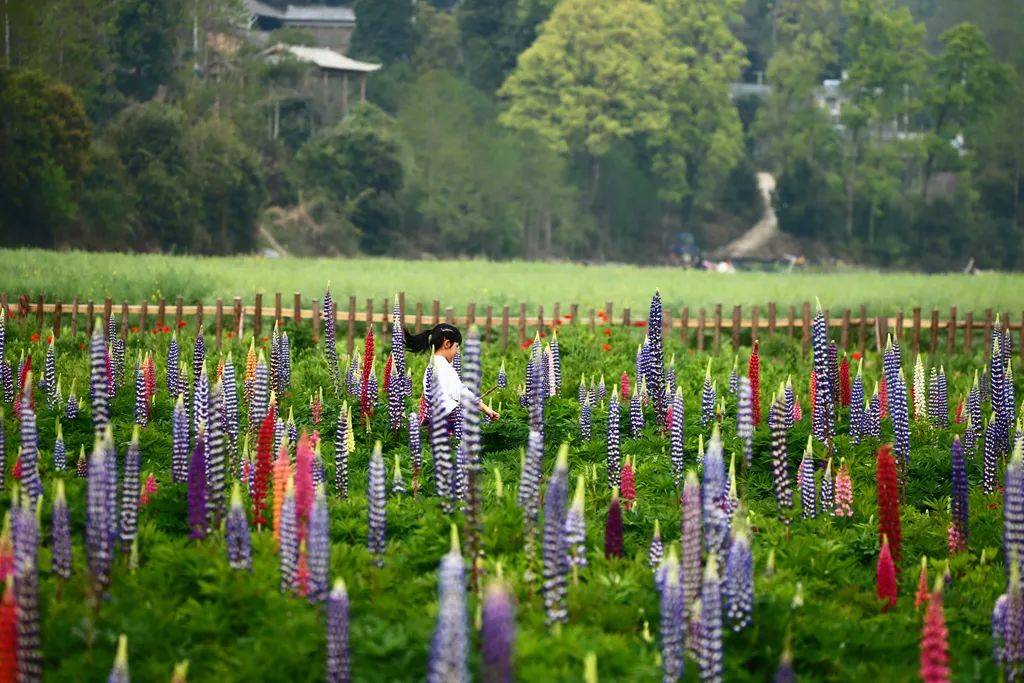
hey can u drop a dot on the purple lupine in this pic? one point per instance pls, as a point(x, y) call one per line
point(279, 430)
point(198, 354)
point(710, 648)
point(236, 532)
point(173, 354)
point(656, 550)
point(229, 416)
point(959, 506)
point(713, 517)
point(898, 410)
point(396, 401)
point(285, 358)
point(397, 482)
point(216, 460)
point(201, 402)
point(341, 452)
point(833, 373)
point(999, 626)
point(291, 427)
point(943, 399)
point(576, 530)
point(707, 398)
point(98, 381)
point(457, 363)
point(129, 524)
point(991, 458)
point(70, 407)
point(179, 441)
point(337, 634)
point(110, 456)
point(141, 398)
point(933, 397)
point(690, 537)
point(636, 414)
point(119, 672)
point(528, 495)
point(1013, 510)
point(398, 345)
point(785, 673)
point(31, 484)
point(970, 442)
point(535, 394)
point(1011, 624)
point(288, 543)
point(502, 376)
point(997, 379)
point(828, 491)
point(50, 375)
point(857, 405)
point(556, 562)
point(586, 418)
point(808, 492)
point(613, 527)
point(353, 376)
point(974, 406)
point(445, 478)
point(745, 419)
point(655, 360)
point(738, 582)
point(471, 438)
point(330, 342)
point(677, 436)
point(873, 416)
point(260, 386)
point(614, 458)
point(670, 378)
point(497, 634)
point(673, 621)
point(556, 363)
point(60, 529)
point(182, 380)
point(602, 390)
point(415, 445)
point(789, 404)
point(823, 416)
point(449, 647)
point(25, 528)
point(197, 520)
point(98, 542)
point(319, 549)
point(780, 458)
point(734, 377)
point(377, 511)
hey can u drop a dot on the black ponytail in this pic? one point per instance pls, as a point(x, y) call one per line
point(434, 337)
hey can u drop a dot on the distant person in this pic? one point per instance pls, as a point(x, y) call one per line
point(445, 340)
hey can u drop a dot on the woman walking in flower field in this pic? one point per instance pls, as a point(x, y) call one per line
point(444, 340)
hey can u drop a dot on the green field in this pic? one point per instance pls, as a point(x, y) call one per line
point(62, 275)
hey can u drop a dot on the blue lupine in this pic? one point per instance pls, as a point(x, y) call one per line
point(319, 549)
point(98, 381)
point(338, 670)
point(738, 582)
point(528, 495)
point(98, 542)
point(655, 359)
point(713, 517)
point(236, 532)
point(636, 414)
point(991, 458)
point(179, 441)
point(997, 379)
point(444, 464)
point(673, 622)
point(200, 401)
point(656, 550)
point(330, 342)
point(710, 649)
point(449, 648)
point(497, 634)
point(229, 384)
point(288, 548)
point(377, 501)
point(30, 481)
point(129, 526)
point(974, 406)
point(586, 418)
point(677, 436)
point(70, 407)
point(900, 417)
point(707, 399)
point(823, 416)
point(502, 376)
point(828, 491)
point(614, 458)
point(341, 452)
point(173, 355)
point(789, 404)
point(576, 529)
point(25, 528)
point(198, 354)
point(397, 482)
point(1013, 511)
point(857, 405)
point(734, 377)
point(602, 390)
point(556, 362)
point(197, 519)
point(260, 386)
point(690, 537)
point(745, 419)
point(808, 494)
point(780, 457)
point(50, 375)
point(959, 506)
point(216, 460)
point(60, 529)
point(415, 445)
point(556, 564)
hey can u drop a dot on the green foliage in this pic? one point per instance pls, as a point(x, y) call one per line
point(384, 30)
point(142, 43)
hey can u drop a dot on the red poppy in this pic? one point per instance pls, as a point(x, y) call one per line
point(231, 334)
point(526, 344)
point(556, 322)
point(135, 329)
point(543, 334)
point(35, 336)
point(266, 338)
point(606, 347)
point(640, 323)
point(856, 355)
point(156, 330)
point(567, 316)
point(49, 340)
point(181, 323)
point(167, 329)
point(607, 332)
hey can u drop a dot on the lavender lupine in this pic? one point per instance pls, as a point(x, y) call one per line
point(497, 634)
point(98, 541)
point(959, 506)
point(25, 528)
point(1008, 626)
point(449, 648)
point(780, 458)
point(319, 549)
point(31, 484)
point(98, 381)
point(1013, 509)
point(173, 358)
point(690, 537)
point(129, 525)
point(586, 416)
point(673, 621)
point(827, 493)
point(745, 419)
point(857, 405)
point(377, 511)
point(808, 492)
point(614, 458)
point(179, 441)
point(710, 648)
point(974, 406)
point(738, 582)
point(236, 532)
point(576, 530)
point(656, 550)
point(288, 549)
point(528, 495)
point(50, 375)
point(197, 519)
point(677, 436)
point(200, 401)
point(556, 563)
point(229, 384)
point(823, 417)
point(444, 464)
point(991, 458)
point(60, 529)
point(341, 452)
point(397, 482)
point(216, 460)
point(338, 661)
point(330, 342)
point(707, 398)
point(734, 377)
point(713, 517)
point(636, 414)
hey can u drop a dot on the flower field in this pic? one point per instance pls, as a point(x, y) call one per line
point(275, 510)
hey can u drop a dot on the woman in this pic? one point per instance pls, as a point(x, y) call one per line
point(445, 340)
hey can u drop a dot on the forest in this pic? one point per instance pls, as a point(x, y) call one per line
point(592, 130)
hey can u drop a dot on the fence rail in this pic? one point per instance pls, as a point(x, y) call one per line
point(701, 329)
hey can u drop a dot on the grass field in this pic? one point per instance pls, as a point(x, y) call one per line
point(62, 275)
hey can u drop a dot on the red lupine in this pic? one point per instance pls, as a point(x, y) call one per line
point(885, 577)
point(8, 636)
point(303, 485)
point(935, 643)
point(628, 489)
point(922, 594)
point(844, 382)
point(960, 412)
point(16, 470)
point(754, 375)
point(624, 386)
point(387, 372)
point(261, 478)
point(888, 500)
point(364, 395)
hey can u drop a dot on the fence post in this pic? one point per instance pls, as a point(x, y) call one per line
point(108, 307)
point(737, 314)
point(435, 312)
point(199, 316)
point(593, 320)
point(449, 315)
point(574, 311)
point(144, 316)
point(700, 329)
point(556, 312)
point(161, 313)
point(951, 330)
point(504, 327)
point(296, 308)
point(968, 330)
point(771, 318)
point(218, 320)
point(488, 322)
point(522, 322)
point(179, 304)
point(56, 319)
point(791, 321)
point(124, 319)
point(419, 316)
point(987, 339)
point(626, 318)
point(369, 315)
point(540, 318)
point(74, 315)
point(917, 330)
point(257, 317)
point(470, 314)
point(238, 317)
point(39, 311)
point(718, 329)
point(315, 315)
point(844, 330)
point(350, 334)
point(935, 330)
point(806, 327)
point(684, 325)
point(401, 306)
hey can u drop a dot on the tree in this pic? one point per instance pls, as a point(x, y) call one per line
point(384, 30)
point(142, 42)
point(492, 38)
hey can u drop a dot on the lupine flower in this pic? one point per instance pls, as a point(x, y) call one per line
point(8, 633)
point(82, 466)
point(602, 391)
point(624, 385)
point(828, 491)
point(808, 494)
point(396, 401)
point(1002, 412)
point(959, 501)
point(745, 419)
point(415, 449)
point(282, 474)
point(497, 634)
point(216, 460)
point(32, 485)
point(444, 464)
point(365, 405)
point(60, 529)
point(72, 404)
point(991, 458)
point(885, 578)
point(291, 427)
point(857, 405)
point(900, 420)
point(754, 377)
point(316, 406)
point(710, 648)
point(353, 376)
point(713, 517)
point(173, 356)
point(922, 595)
point(656, 550)
point(636, 415)
point(707, 398)
point(780, 465)
point(141, 398)
point(920, 394)
point(628, 490)
point(449, 648)
point(50, 375)
point(341, 452)
point(236, 532)
point(556, 564)
point(576, 531)
point(655, 375)
point(377, 501)
point(733, 384)
point(935, 643)
point(677, 436)
point(974, 405)
point(873, 416)
point(691, 537)
point(397, 483)
point(330, 341)
point(614, 461)
point(337, 634)
point(288, 554)
point(673, 621)
point(129, 493)
point(738, 583)
point(502, 376)
point(303, 485)
point(613, 528)
point(586, 416)
point(1008, 624)
point(179, 441)
point(319, 549)
point(823, 416)
point(197, 520)
point(258, 408)
point(26, 591)
point(844, 382)
point(261, 475)
point(888, 500)
point(1013, 507)
point(149, 489)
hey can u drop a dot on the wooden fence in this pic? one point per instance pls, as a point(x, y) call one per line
point(701, 329)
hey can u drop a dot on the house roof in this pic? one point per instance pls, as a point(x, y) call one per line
point(304, 14)
point(323, 57)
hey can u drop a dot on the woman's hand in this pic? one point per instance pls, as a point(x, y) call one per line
point(489, 412)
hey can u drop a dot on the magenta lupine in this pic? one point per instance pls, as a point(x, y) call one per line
point(738, 582)
point(959, 506)
point(614, 458)
point(179, 441)
point(341, 452)
point(319, 549)
point(745, 419)
point(449, 647)
point(710, 649)
point(707, 398)
point(173, 356)
point(338, 670)
point(613, 528)
point(288, 544)
point(25, 528)
point(673, 621)
point(656, 550)
point(497, 634)
point(236, 532)
point(827, 491)
point(690, 537)
point(377, 501)
point(98, 381)
point(31, 484)
point(713, 517)
point(60, 530)
point(98, 542)
point(197, 520)
point(808, 489)
point(677, 436)
point(780, 459)
point(128, 527)
point(556, 564)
